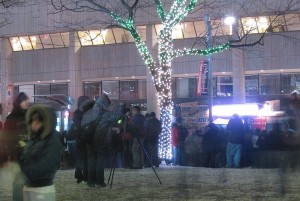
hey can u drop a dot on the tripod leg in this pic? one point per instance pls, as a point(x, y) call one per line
point(148, 158)
point(112, 167)
point(113, 173)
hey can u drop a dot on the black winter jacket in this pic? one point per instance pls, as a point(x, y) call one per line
point(42, 154)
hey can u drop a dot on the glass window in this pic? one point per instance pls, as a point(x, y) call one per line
point(15, 44)
point(46, 40)
point(224, 86)
point(158, 27)
point(292, 22)
point(173, 87)
point(200, 28)
point(185, 87)
point(249, 25)
point(65, 38)
point(36, 42)
point(278, 23)
point(269, 84)
point(290, 83)
point(42, 89)
point(59, 89)
point(177, 31)
point(57, 40)
point(120, 35)
point(263, 24)
point(96, 37)
point(25, 42)
point(142, 85)
point(84, 38)
point(108, 36)
point(188, 30)
point(128, 90)
point(251, 84)
point(92, 90)
point(111, 88)
point(142, 31)
point(29, 90)
point(128, 37)
point(219, 28)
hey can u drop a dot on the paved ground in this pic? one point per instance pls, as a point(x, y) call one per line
point(178, 183)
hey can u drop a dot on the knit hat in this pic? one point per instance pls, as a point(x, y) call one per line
point(82, 99)
point(19, 98)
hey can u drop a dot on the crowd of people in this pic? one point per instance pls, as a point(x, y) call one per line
point(32, 142)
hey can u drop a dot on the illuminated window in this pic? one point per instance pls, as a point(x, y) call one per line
point(188, 30)
point(278, 23)
point(128, 90)
point(46, 41)
point(142, 31)
point(108, 36)
point(91, 37)
point(25, 42)
point(200, 28)
point(16, 44)
point(96, 37)
point(120, 35)
point(142, 89)
point(65, 38)
point(111, 88)
point(36, 42)
point(292, 22)
point(219, 28)
point(249, 25)
point(57, 40)
point(263, 24)
point(84, 38)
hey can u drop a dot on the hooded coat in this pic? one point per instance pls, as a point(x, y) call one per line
point(42, 154)
point(102, 135)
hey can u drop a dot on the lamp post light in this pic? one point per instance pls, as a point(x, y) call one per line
point(209, 76)
point(229, 20)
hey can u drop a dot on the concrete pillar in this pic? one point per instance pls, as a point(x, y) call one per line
point(152, 104)
point(238, 75)
point(6, 77)
point(75, 84)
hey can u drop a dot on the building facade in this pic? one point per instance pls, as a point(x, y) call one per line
point(39, 58)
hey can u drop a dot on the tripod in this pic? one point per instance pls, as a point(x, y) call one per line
point(112, 169)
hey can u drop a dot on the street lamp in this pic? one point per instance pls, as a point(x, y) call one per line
point(229, 20)
point(209, 76)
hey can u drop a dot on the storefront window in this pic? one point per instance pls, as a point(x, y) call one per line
point(251, 84)
point(111, 88)
point(269, 84)
point(59, 89)
point(142, 89)
point(224, 86)
point(92, 90)
point(185, 87)
point(29, 90)
point(128, 90)
point(290, 83)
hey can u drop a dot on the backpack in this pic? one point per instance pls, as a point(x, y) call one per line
point(88, 130)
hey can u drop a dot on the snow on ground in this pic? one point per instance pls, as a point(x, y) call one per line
point(178, 183)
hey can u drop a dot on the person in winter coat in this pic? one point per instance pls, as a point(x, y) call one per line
point(235, 127)
point(153, 129)
point(84, 104)
point(138, 131)
point(42, 154)
point(210, 148)
point(175, 142)
point(101, 138)
point(15, 126)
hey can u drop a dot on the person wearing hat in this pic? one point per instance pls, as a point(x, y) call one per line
point(15, 126)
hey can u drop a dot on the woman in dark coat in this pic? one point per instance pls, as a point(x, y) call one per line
point(15, 126)
point(42, 154)
point(210, 147)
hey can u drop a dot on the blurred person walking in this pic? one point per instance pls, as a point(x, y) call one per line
point(153, 129)
point(41, 156)
point(235, 127)
point(138, 131)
